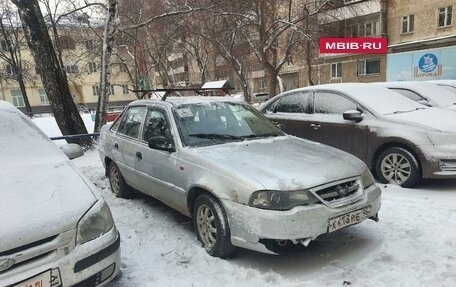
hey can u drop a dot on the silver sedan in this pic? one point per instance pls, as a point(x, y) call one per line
point(243, 181)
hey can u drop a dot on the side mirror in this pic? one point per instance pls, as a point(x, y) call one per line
point(72, 150)
point(161, 143)
point(424, 102)
point(355, 116)
point(279, 125)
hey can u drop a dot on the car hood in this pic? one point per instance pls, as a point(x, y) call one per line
point(436, 118)
point(40, 199)
point(283, 163)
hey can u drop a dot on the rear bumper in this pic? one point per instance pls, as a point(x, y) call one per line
point(94, 263)
point(249, 226)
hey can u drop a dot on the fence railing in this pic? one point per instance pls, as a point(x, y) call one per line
point(80, 136)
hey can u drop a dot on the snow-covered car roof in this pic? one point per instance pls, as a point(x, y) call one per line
point(376, 98)
point(177, 101)
point(439, 95)
point(444, 82)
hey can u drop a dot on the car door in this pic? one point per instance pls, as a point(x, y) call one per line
point(291, 113)
point(329, 127)
point(157, 169)
point(125, 143)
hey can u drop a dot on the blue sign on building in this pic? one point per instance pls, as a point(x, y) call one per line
point(431, 64)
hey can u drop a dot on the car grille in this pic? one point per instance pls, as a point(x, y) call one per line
point(448, 165)
point(31, 252)
point(340, 193)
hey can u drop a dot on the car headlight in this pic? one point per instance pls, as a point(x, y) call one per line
point(96, 222)
point(281, 200)
point(367, 179)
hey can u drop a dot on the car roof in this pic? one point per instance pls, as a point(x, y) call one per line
point(444, 82)
point(376, 98)
point(177, 101)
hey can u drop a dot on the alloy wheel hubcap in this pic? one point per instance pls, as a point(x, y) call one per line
point(115, 180)
point(396, 168)
point(207, 229)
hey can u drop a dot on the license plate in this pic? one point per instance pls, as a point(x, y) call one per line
point(42, 280)
point(348, 219)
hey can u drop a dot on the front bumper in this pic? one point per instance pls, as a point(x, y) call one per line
point(94, 263)
point(249, 226)
point(439, 163)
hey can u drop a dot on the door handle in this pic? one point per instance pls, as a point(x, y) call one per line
point(139, 155)
point(116, 145)
point(315, 126)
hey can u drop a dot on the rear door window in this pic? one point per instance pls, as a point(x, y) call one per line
point(293, 103)
point(131, 122)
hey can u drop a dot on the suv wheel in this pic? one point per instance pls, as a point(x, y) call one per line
point(119, 186)
point(211, 226)
point(398, 166)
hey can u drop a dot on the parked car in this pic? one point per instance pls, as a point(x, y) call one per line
point(260, 97)
point(55, 229)
point(426, 93)
point(401, 140)
point(242, 180)
point(450, 85)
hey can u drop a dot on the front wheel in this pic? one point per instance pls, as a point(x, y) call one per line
point(211, 226)
point(398, 166)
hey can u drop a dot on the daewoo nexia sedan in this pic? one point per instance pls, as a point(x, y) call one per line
point(55, 229)
point(400, 139)
point(244, 182)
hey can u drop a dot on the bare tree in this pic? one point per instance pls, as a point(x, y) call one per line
point(51, 73)
point(11, 49)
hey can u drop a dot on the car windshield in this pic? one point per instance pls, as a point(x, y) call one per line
point(209, 123)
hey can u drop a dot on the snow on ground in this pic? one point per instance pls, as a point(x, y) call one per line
point(414, 244)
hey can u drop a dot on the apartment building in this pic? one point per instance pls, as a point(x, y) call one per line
point(81, 57)
point(422, 40)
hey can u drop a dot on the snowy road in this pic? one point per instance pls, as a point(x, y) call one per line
point(414, 244)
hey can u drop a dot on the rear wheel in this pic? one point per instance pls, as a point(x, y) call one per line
point(211, 226)
point(119, 186)
point(398, 166)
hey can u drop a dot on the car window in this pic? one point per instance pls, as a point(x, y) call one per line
point(293, 103)
point(156, 124)
point(270, 107)
point(330, 103)
point(116, 124)
point(409, 94)
point(131, 122)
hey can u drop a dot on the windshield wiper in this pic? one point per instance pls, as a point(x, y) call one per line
point(401, 112)
point(264, 135)
point(216, 136)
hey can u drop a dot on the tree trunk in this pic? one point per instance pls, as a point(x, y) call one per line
point(309, 63)
point(105, 73)
point(63, 107)
point(20, 80)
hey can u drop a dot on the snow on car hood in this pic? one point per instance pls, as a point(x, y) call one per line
point(284, 163)
point(437, 118)
point(41, 193)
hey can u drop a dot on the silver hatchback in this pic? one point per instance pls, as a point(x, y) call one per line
point(243, 181)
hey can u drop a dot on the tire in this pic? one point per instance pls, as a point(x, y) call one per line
point(119, 186)
point(217, 241)
point(398, 166)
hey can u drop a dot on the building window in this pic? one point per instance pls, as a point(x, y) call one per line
point(125, 90)
point(92, 67)
point(18, 99)
point(368, 67)
point(263, 84)
point(43, 97)
point(3, 45)
point(408, 23)
point(336, 70)
point(9, 69)
point(67, 42)
point(96, 90)
point(72, 69)
point(445, 16)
